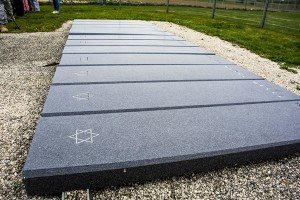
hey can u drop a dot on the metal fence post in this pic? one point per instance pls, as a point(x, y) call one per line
point(214, 9)
point(167, 6)
point(262, 23)
point(245, 4)
point(102, 2)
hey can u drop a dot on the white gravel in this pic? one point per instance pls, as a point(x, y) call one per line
point(24, 83)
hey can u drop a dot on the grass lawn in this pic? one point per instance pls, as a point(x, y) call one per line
point(280, 44)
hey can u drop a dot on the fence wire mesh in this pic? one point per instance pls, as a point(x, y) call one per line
point(283, 15)
point(274, 5)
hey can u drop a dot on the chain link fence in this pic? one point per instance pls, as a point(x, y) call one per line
point(274, 5)
point(282, 15)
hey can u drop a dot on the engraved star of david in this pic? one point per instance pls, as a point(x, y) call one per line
point(84, 136)
point(82, 96)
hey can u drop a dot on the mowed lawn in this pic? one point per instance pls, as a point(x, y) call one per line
point(279, 42)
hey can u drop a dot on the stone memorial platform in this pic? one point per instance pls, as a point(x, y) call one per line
point(137, 43)
point(131, 103)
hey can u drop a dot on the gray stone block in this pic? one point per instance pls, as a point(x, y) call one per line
point(119, 26)
point(113, 22)
point(116, 31)
point(107, 74)
point(97, 43)
point(115, 119)
point(102, 98)
point(94, 151)
point(134, 50)
point(116, 28)
point(122, 37)
point(140, 59)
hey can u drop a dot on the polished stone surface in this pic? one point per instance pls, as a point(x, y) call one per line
point(114, 22)
point(129, 42)
point(122, 37)
point(139, 96)
point(115, 31)
point(135, 73)
point(140, 59)
point(123, 140)
point(135, 50)
point(132, 103)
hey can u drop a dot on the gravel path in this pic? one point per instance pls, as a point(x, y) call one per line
point(27, 66)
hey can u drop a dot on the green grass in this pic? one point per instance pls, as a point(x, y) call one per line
point(279, 44)
point(289, 69)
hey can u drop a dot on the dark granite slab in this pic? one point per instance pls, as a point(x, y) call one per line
point(123, 37)
point(115, 31)
point(128, 43)
point(102, 98)
point(115, 119)
point(128, 25)
point(134, 50)
point(94, 151)
point(114, 22)
point(107, 74)
point(116, 26)
point(140, 59)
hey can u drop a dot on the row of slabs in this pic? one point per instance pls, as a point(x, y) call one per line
point(130, 102)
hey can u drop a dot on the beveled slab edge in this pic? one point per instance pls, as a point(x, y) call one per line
point(94, 177)
point(83, 33)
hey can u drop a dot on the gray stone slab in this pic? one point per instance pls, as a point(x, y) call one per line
point(127, 43)
point(134, 50)
point(119, 27)
point(116, 31)
point(123, 37)
point(115, 119)
point(138, 96)
point(92, 151)
point(140, 59)
point(114, 22)
point(218, 59)
point(114, 26)
point(106, 74)
point(122, 135)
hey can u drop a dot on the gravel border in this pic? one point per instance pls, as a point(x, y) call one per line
point(28, 62)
